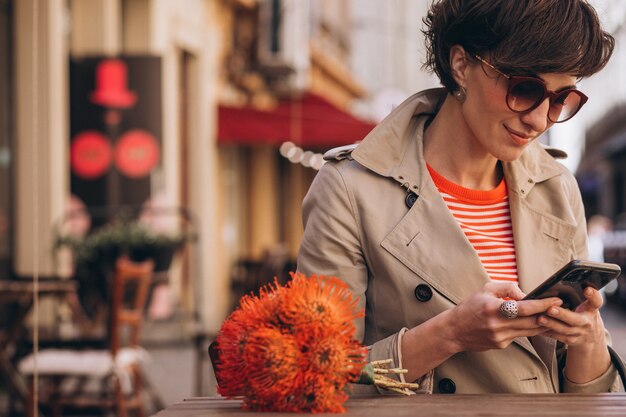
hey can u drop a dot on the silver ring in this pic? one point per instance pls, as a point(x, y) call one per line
point(508, 309)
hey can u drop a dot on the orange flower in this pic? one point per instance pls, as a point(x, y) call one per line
point(326, 301)
point(292, 348)
point(337, 360)
point(233, 337)
point(271, 360)
point(316, 395)
point(232, 340)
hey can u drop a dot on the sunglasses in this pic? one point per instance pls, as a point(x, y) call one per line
point(525, 94)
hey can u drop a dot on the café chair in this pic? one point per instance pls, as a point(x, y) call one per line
point(214, 355)
point(68, 377)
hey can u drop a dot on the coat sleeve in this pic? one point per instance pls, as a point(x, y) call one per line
point(331, 245)
point(610, 380)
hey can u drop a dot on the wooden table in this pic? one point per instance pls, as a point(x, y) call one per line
point(21, 294)
point(438, 405)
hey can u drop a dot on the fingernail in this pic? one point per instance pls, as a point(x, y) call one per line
point(588, 291)
point(542, 320)
point(554, 311)
point(557, 302)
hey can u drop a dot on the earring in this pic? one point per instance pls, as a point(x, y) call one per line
point(460, 94)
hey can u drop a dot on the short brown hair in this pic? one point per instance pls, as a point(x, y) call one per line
point(533, 36)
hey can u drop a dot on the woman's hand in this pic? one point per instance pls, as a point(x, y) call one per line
point(478, 324)
point(576, 328)
point(583, 333)
point(474, 325)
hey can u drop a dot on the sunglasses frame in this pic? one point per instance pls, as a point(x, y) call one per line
point(515, 80)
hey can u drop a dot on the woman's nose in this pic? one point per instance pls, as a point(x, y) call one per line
point(537, 119)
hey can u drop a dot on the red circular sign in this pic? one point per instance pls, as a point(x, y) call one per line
point(90, 154)
point(137, 153)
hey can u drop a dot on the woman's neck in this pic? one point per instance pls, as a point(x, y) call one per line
point(452, 150)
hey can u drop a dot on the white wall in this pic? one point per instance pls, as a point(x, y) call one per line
point(388, 52)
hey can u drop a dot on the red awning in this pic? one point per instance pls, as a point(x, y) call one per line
point(309, 121)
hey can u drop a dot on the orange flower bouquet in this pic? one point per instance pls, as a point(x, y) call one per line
point(292, 348)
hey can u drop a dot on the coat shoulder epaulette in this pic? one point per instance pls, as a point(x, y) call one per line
point(556, 153)
point(340, 153)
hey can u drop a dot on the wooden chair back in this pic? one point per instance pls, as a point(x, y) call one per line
point(130, 290)
point(214, 355)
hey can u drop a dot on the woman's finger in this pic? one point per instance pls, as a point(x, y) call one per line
point(568, 317)
point(533, 307)
point(505, 290)
point(594, 300)
point(514, 334)
point(523, 324)
point(558, 327)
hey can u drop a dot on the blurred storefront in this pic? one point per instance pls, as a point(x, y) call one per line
point(143, 133)
point(205, 94)
point(285, 86)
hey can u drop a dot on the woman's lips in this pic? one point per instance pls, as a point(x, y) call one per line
point(518, 137)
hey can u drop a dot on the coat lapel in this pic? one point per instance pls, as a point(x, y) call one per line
point(423, 241)
point(547, 240)
point(538, 234)
point(541, 240)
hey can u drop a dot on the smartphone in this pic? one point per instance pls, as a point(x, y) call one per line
point(569, 282)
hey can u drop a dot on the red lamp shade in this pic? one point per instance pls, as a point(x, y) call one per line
point(111, 80)
point(137, 153)
point(90, 154)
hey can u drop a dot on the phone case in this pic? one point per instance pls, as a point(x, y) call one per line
point(569, 282)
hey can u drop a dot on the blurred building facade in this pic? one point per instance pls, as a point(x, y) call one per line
point(285, 93)
point(221, 61)
point(45, 35)
point(602, 169)
point(593, 139)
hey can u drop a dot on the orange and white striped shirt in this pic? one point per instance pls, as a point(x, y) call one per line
point(485, 218)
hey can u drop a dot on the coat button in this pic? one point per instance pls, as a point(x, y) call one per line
point(447, 386)
point(423, 292)
point(410, 199)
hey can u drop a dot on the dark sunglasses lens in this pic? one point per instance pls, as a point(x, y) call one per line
point(524, 95)
point(564, 106)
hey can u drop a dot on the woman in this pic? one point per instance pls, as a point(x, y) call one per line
point(449, 210)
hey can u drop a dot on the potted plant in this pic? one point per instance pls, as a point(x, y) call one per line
point(95, 255)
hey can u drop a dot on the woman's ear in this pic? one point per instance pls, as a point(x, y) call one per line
point(459, 65)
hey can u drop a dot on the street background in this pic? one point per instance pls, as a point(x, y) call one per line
point(199, 125)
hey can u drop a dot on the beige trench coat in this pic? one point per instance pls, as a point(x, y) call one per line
point(359, 228)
